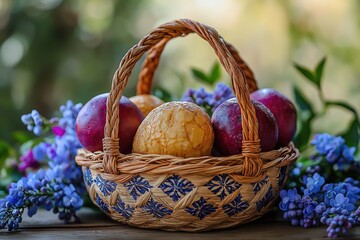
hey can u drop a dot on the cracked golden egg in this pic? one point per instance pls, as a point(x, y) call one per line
point(176, 128)
point(146, 102)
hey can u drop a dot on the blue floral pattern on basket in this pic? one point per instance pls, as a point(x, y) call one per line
point(222, 185)
point(282, 175)
point(200, 209)
point(88, 177)
point(235, 206)
point(137, 186)
point(105, 186)
point(102, 205)
point(125, 210)
point(156, 209)
point(176, 187)
point(265, 200)
point(258, 185)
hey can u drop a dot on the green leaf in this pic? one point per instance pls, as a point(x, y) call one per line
point(303, 134)
point(163, 94)
point(215, 73)
point(310, 75)
point(2, 193)
point(304, 105)
point(22, 136)
point(351, 135)
point(345, 106)
point(200, 75)
point(4, 152)
point(319, 70)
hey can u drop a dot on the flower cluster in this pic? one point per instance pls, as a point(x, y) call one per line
point(208, 101)
point(334, 150)
point(34, 122)
point(60, 187)
point(332, 204)
point(314, 201)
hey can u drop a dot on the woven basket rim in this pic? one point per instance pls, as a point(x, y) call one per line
point(134, 163)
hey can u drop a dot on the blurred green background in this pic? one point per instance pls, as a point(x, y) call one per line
point(54, 50)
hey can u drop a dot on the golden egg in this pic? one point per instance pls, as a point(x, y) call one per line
point(146, 102)
point(176, 128)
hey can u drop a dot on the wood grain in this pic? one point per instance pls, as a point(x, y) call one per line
point(94, 225)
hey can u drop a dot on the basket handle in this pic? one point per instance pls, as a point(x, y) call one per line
point(152, 60)
point(252, 165)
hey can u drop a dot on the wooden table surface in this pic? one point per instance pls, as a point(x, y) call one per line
point(94, 225)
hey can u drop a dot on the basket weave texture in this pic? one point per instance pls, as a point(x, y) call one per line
point(184, 194)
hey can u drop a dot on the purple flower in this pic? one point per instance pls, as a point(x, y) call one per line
point(58, 131)
point(28, 161)
point(208, 101)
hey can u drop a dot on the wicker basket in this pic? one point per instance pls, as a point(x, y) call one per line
point(184, 194)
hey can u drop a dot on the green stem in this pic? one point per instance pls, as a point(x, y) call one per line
point(343, 105)
point(322, 97)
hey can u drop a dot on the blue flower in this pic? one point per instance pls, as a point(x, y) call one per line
point(297, 169)
point(334, 150)
point(40, 151)
point(176, 187)
point(221, 93)
point(72, 198)
point(200, 209)
point(313, 184)
point(287, 197)
point(156, 209)
point(348, 153)
point(340, 201)
point(222, 185)
point(106, 187)
point(309, 206)
point(321, 142)
point(32, 210)
point(236, 206)
point(137, 186)
point(61, 186)
point(34, 122)
point(125, 210)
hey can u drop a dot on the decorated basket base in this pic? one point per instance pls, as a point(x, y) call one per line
point(177, 193)
point(191, 202)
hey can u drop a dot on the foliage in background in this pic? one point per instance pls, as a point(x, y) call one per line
point(307, 113)
point(50, 51)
